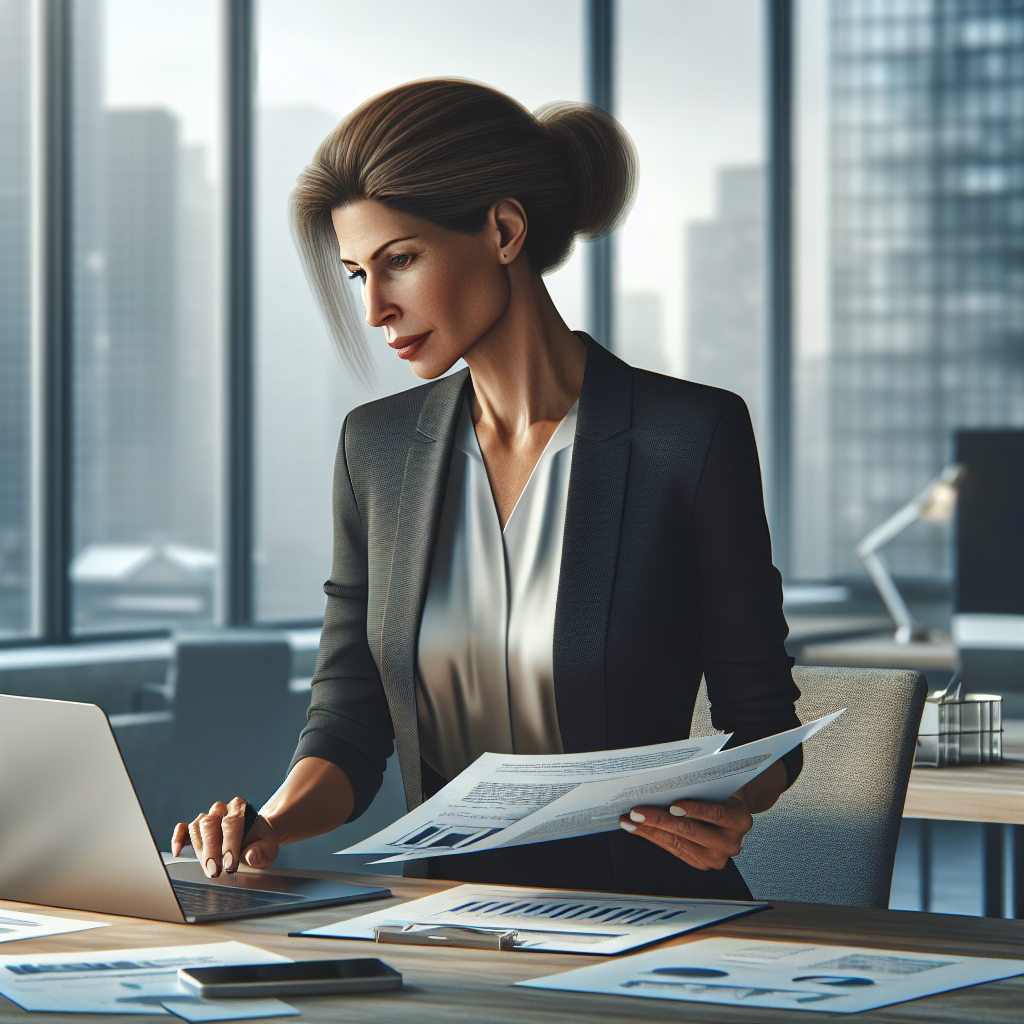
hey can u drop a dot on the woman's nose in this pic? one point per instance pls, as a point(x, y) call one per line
point(378, 307)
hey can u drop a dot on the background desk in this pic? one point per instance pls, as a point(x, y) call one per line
point(443, 986)
point(991, 794)
point(935, 656)
point(977, 792)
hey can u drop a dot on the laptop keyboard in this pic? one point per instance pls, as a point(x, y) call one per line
point(197, 899)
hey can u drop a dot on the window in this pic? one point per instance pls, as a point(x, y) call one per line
point(318, 60)
point(146, 328)
point(689, 293)
point(908, 288)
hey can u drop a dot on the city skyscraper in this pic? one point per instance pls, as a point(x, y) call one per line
point(145, 355)
point(725, 290)
point(16, 259)
point(927, 252)
point(141, 181)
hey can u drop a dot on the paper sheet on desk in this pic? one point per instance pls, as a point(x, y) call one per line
point(15, 925)
point(595, 805)
point(497, 790)
point(200, 1011)
point(548, 920)
point(782, 975)
point(118, 980)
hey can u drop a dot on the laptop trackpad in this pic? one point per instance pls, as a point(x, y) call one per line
point(311, 889)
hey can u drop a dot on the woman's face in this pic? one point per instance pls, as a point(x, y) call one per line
point(435, 292)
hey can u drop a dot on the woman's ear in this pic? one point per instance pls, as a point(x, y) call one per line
point(508, 221)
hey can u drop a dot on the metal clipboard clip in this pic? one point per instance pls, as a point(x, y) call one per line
point(425, 935)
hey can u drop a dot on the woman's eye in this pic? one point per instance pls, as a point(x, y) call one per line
point(400, 261)
point(357, 273)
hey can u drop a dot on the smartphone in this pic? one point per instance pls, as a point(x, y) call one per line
point(304, 977)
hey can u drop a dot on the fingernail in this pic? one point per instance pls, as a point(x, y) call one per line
point(229, 861)
point(677, 811)
point(211, 868)
point(626, 825)
point(636, 816)
point(252, 858)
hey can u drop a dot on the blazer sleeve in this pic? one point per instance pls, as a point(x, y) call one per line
point(348, 722)
point(742, 629)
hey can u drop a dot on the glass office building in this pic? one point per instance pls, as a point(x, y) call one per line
point(16, 318)
point(145, 364)
point(926, 205)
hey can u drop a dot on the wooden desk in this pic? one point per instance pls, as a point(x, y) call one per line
point(977, 792)
point(443, 986)
point(992, 794)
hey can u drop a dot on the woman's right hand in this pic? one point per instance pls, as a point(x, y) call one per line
point(217, 839)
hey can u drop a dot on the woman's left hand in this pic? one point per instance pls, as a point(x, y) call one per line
point(705, 833)
point(702, 833)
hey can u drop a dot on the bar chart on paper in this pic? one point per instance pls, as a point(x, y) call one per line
point(548, 920)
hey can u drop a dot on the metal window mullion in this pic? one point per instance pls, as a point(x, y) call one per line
point(600, 68)
point(57, 323)
point(237, 545)
point(779, 37)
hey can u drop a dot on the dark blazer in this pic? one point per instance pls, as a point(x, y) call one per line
point(666, 576)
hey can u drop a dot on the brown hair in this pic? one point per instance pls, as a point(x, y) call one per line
point(447, 150)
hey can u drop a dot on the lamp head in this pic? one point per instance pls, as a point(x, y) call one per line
point(941, 501)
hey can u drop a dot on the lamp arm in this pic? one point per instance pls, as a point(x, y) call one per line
point(908, 514)
point(907, 626)
point(892, 527)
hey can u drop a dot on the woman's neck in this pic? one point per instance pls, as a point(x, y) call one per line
point(528, 370)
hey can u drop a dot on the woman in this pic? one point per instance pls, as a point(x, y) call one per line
point(540, 554)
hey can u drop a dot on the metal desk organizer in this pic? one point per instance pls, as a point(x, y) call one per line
point(959, 728)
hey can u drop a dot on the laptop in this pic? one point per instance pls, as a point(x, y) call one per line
point(73, 835)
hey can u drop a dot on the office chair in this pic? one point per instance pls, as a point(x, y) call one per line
point(234, 726)
point(831, 838)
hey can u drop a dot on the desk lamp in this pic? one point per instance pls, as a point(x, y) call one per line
point(935, 504)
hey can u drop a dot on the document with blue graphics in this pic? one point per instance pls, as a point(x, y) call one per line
point(782, 975)
point(546, 920)
point(131, 981)
point(15, 925)
point(507, 800)
point(498, 790)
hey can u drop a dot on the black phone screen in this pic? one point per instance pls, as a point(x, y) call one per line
point(302, 970)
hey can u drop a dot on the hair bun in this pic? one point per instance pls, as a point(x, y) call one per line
point(601, 160)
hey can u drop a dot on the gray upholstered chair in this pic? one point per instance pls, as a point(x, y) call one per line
point(234, 726)
point(831, 838)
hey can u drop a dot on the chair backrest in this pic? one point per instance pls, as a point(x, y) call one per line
point(831, 838)
point(233, 730)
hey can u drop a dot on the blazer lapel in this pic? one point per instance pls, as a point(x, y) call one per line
point(419, 513)
point(590, 547)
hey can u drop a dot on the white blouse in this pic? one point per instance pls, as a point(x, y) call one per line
point(485, 679)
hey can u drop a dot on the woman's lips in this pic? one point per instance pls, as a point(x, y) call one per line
point(406, 347)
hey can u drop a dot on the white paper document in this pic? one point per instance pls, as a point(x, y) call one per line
point(782, 975)
point(15, 925)
point(547, 920)
point(504, 800)
point(121, 980)
point(230, 1009)
point(498, 790)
